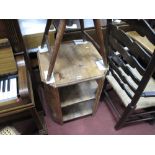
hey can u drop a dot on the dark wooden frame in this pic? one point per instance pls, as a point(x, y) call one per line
point(129, 114)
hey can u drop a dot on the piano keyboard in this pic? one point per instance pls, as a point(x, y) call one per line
point(8, 89)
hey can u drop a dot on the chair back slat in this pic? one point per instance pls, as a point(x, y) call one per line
point(126, 55)
point(134, 48)
point(121, 83)
point(126, 68)
point(120, 74)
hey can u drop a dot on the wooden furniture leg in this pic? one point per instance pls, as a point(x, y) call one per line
point(99, 33)
point(40, 126)
point(49, 22)
point(59, 36)
point(98, 94)
point(82, 28)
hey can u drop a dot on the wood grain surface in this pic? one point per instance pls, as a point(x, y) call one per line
point(74, 64)
point(7, 61)
point(142, 40)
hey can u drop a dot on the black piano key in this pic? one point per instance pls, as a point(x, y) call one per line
point(3, 86)
point(8, 85)
point(17, 88)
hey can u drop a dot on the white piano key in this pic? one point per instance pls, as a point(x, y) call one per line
point(1, 86)
point(6, 84)
point(9, 95)
point(13, 87)
point(1, 95)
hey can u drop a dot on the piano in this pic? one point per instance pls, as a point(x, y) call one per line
point(16, 95)
point(14, 79)
point(8, 73)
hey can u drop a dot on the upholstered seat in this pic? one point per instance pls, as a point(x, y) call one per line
point(143, 102)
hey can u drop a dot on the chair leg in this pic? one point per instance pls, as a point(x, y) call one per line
point(82, 28)
point(104, 88)
point(105, 84)
point(40, 126)
point(124, 116)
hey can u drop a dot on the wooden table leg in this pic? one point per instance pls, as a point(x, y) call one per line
point(42, 129)
point(59, 36)
point(99, 33)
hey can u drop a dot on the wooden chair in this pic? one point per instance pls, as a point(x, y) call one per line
point(143, 27)
point(132, 82)
point(143, 33)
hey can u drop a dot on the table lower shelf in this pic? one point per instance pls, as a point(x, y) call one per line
point(77, 110)
point(78, 93)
